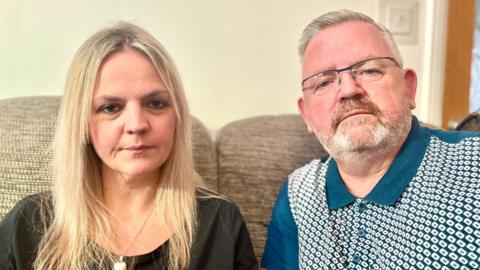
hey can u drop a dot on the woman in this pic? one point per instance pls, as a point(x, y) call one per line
point(126, 195)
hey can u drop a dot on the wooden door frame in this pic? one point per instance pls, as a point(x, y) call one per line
point(458, 57)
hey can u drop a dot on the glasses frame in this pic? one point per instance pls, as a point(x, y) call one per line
point(338, 71)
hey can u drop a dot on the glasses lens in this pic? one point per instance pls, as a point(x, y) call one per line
point(371, 70)
point(321, 82)
point(363, 72)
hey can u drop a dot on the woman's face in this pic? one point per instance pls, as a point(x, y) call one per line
point(132, 127)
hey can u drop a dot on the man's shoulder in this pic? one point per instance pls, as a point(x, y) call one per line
point(312, 167)
point(456, 137)
point(306, 178)
point(312, 164)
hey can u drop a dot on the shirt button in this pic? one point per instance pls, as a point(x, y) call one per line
point(361, 232)
point(356, 257)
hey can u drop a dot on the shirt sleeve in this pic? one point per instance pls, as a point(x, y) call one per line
point(281, 249)
point(19, 236)
point(7, 227)
point(244, 254)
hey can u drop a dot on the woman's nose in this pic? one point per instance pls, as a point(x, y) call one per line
point(136, 121)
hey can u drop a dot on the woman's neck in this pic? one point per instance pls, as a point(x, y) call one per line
point(131, 203)
point(127, 196)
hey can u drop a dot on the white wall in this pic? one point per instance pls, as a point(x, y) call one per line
point(237, 58)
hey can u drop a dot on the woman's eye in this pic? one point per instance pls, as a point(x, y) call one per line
point(157, 104)
point(110, 108)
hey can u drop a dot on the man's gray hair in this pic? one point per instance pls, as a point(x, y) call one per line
point(333, 18)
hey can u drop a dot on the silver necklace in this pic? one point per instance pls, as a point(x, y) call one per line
point(121, 264)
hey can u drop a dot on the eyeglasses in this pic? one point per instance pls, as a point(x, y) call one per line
point(363, 72)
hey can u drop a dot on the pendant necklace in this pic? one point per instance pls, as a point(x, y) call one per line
point(121, 264)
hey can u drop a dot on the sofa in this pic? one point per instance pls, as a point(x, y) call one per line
point(247, 161)
point(471, 122)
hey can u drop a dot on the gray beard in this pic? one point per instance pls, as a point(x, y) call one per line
point(380, 139)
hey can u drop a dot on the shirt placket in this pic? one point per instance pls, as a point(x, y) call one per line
point(358, 253)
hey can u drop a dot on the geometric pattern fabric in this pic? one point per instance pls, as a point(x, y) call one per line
point(435, 223)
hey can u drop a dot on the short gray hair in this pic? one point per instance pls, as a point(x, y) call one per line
point(337, 17)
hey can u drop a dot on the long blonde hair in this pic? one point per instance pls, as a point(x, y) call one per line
point(79, 222)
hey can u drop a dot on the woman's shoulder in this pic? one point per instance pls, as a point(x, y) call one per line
point(28, 208)
point(222, 235)
point(22, 229)
point(210, 199)
point(211, 205)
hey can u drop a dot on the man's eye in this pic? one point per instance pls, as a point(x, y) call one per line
point(110, 108)
point(323, 84)
point(370, 72)
point(157, 104)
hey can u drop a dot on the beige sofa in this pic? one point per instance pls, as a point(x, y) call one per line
point(248, 161)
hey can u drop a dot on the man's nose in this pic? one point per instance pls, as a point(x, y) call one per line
point(348, 86)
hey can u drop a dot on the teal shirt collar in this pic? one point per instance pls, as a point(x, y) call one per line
point(394, 182)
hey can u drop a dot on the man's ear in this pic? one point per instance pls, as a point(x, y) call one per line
point(303, 112)
point(410, 78)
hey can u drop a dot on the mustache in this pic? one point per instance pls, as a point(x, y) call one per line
point(351, 104)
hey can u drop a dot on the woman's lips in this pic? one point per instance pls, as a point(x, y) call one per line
point(137, 148)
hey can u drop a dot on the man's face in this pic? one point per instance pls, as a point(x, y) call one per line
point(356, 117)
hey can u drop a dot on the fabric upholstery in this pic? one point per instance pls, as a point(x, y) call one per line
point(204, 154)
point(26, 131)
point(471, 122)
point(255, 155)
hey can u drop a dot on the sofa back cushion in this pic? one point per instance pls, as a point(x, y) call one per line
point(26, 131)
point(27, 126)
point(255, 156)
point(470, 123)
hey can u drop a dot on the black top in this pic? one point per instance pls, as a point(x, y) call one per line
point(222, 240)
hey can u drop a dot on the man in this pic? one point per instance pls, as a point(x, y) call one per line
point(393, 194)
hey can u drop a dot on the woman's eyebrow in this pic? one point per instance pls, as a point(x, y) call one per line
point(151, 94)
point(106, 98)
point(156, 93)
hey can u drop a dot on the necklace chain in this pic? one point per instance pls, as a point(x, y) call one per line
point(121, 264)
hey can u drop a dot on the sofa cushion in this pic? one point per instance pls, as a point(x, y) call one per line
point(26, 131)
point(204, 154)
point(255, 155)
point(470, 123)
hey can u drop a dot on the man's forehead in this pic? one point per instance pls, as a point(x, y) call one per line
point(342, 45)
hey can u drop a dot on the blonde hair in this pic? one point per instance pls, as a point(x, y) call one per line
point(337, 17)
point(79, 225)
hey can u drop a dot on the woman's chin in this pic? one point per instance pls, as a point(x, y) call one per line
point(134, 173)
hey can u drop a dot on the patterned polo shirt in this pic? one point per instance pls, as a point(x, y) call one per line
point(424, 213)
